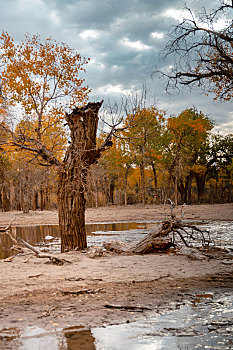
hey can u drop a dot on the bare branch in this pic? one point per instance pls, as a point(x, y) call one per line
point(202, 55)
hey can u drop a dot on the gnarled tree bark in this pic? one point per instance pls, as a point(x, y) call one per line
point(80, 155)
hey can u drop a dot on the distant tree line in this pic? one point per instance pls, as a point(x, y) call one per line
point(156, 158)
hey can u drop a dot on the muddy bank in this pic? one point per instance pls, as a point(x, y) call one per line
point(121, 213)
point(36, 292)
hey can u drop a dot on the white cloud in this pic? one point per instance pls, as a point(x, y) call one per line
point(137, 45)
point(54, 17)
point(115, 68)
point(175, 14)
point(179, 15)
point(225, 128)
point(89, 33)
point(109, 89)
point(157, 35)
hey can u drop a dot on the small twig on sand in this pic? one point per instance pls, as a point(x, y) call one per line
point(127, 307)
point(74, 279)
point(47, 313)
point(80, 291)
point(4, 229)
point(36, 276)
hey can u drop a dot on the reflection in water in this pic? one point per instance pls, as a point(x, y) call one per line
point(32, 338)
point(207, 324)
point(36, 235)
point(77, 339)
point(221, 233)
point(31, 234)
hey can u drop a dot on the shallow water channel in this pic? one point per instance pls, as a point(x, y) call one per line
point(205, 322)
point(47, 237)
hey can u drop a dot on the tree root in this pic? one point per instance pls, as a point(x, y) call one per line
point(169, 233)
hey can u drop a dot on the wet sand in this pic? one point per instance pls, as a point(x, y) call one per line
point(36, 292)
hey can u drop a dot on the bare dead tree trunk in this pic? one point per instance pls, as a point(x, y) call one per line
point(80, 155)
point(35, 199)
point(200, 181)
point(42, 204)
point(126, 183)
point(162, 238)
point(111, 191)
point(71, 209)
point(142, 172)
point(155, 182)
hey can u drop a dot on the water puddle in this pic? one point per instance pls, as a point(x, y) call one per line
point(221, 232)
point(47, 237)
point(203, 324)
point(206, 324)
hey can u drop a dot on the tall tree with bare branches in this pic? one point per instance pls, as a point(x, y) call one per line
point(201, 48)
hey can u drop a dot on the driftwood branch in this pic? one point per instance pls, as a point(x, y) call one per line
point(127, 307)
point(20, 245)
point(5, 229)
point(169, 233)
point(80, 291)
point(54, 258)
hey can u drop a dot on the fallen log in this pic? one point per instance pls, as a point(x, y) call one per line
point(156, 241)
point(118, 247)
point(170, 233)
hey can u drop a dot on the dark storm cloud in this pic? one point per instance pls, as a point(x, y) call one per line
point(123, 39)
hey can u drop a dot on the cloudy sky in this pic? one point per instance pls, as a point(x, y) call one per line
point(123, 38)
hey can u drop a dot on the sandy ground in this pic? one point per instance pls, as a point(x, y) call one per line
point(36, 292)
point(121, 213)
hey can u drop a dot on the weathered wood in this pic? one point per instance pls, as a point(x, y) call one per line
point(152, 245)
point(4, 229)
point(155, 241)
point(117, 247)
point(54, 258)
point(80, 291)
point(161, 239)
point(81, 153)
point(127, 307)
